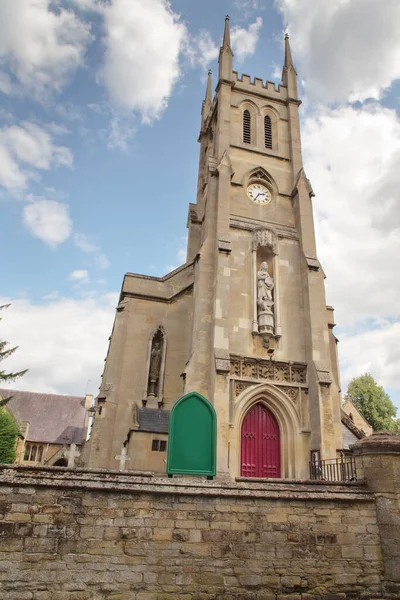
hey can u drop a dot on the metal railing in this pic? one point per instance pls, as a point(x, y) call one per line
point(335, 469)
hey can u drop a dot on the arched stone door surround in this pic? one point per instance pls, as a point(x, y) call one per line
point(288, 421)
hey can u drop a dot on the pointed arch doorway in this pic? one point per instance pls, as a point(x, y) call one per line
point(260, 444)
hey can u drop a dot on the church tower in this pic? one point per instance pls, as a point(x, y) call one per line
point(244, 321)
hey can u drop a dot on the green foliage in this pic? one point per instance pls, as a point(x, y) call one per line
point(8, 436)
point(373, 403)
point(5, 353)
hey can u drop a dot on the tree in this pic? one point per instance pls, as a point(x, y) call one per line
point(5, 353)
point(8, 436)
point(373, 403)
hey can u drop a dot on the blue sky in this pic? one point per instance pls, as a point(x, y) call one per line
point(99, 118)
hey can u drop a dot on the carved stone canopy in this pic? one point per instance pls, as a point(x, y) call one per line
point(260, 174)
point(264, 238)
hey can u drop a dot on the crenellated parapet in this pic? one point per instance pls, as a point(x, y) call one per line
point(267, 89)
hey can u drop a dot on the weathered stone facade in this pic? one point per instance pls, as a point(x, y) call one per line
point(244, 321)
point(106, 536)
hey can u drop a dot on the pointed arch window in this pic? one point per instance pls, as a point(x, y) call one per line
point(246, 127)
point(27, 452)
point(267, 132)
point(33, 454)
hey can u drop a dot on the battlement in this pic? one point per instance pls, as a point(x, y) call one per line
point(268, 89)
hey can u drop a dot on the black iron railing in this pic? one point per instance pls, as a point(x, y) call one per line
point(335, 469)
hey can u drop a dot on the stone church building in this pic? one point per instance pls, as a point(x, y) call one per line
point(244, 321)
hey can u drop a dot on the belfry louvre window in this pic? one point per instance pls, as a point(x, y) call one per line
point(246, 127)
point(268, 132)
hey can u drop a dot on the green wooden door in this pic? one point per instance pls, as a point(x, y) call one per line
point(192, 437)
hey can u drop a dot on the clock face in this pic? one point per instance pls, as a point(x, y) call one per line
point(258, 193)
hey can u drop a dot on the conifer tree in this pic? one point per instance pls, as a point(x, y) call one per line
point(5, 352)
point(8, 436)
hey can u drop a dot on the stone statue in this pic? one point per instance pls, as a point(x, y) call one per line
point(155, 366)
point(265, 285)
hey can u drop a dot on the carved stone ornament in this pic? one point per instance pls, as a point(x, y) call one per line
point(292, 392)
point(264, 238)
point(268, 370)
point(260, 174)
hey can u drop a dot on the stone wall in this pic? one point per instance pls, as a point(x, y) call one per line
point(103, 535)
point(378, 458)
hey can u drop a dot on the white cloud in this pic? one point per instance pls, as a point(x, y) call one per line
point(247, 7)
point(143, 41)
point(120, 132)
point(24, 149)
point(345, 49)
point(48, 220)
point(352, 159)
point(82, 242)
point(244, 41)
point(376, 351)
point(202, 50)
point(73, 337)
point(79, 276)
point(39, 46)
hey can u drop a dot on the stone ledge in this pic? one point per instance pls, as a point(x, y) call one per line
point(380, 442)
point(137, 482)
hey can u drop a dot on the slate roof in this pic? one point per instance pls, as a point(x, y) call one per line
point(351, 433)
point(154, 420)
point(52, 418)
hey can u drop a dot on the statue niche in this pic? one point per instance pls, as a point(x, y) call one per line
point(265, 314)
point(156, 361)
point(266, 317)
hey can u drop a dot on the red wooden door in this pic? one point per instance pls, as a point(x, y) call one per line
point(261, 448)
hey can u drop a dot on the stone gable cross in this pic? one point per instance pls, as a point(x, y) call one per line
point(72, 454)
point(122, 459)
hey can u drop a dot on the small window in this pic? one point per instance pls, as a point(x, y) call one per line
point(163, 446)
point(155, 445)
point(27, 451)
point(33, 454)
point(246, 127)
point(268, 131)
point(40, 454)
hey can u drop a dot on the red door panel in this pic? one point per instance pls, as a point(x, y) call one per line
point(260, 444)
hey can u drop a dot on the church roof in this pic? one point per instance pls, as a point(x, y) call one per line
point(52, 418)
point(155, 420)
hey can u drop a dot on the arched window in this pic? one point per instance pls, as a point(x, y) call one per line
point(40, 454)
point(27, 451)
point(267, 132)
point(33, 454)
point(246, 127)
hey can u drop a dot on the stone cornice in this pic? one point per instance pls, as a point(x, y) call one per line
point(111, 481)
point(282, 231)
point(159, 289)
